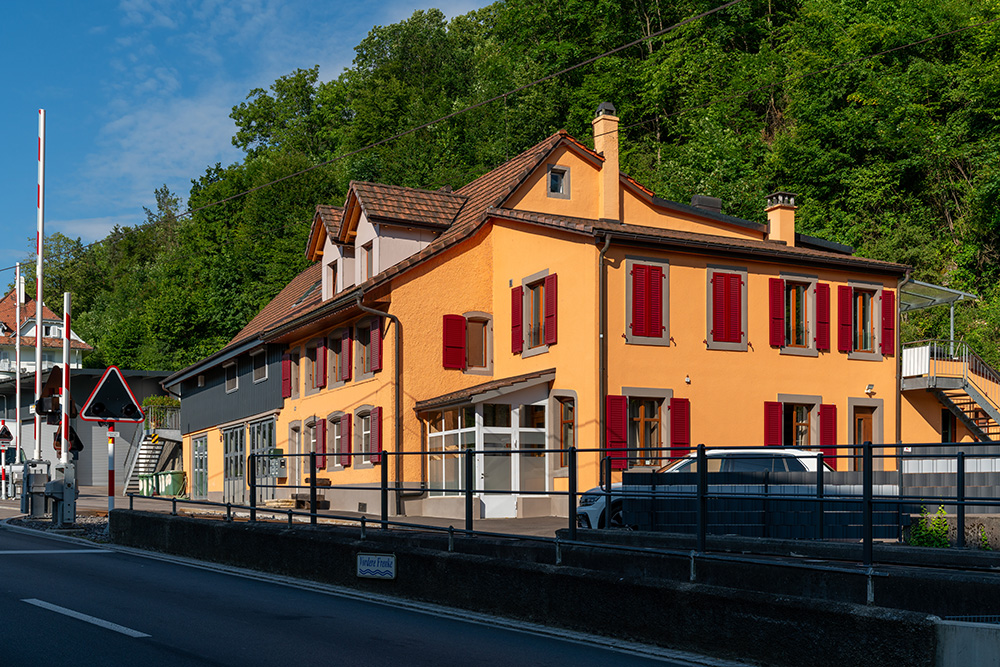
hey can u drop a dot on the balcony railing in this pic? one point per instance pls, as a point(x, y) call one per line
point(951, 359)
point(162, 417)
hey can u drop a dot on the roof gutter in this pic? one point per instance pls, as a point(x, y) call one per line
point(398, 402)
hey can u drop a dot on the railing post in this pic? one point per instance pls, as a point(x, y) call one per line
point(312, 488)
point(820, 519)
point(868, 533)
point(470, 467)
point(607, 491)
point(384, 490)
point(702, 497)
point(252, 469)
point(571, 454)
point(767, 513)
point(960, 510)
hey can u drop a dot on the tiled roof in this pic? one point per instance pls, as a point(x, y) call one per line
point(696, 241)
point(392, 202)
point(464, 395)
point(331, 217)
point(8, 315)
point(298, 296)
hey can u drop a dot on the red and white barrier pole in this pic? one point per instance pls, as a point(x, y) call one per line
point(111, 466)
point(38, 280)
point(65, 380)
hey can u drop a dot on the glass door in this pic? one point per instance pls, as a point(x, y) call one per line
point(234, 461)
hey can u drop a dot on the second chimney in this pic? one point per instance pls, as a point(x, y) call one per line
point(781, 217)
point(606, 143)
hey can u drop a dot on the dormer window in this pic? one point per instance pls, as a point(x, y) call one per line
point(557, 184)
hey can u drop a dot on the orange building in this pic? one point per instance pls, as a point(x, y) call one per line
point(552, 302)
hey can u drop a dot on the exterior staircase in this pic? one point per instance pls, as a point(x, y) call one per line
point(147, 460)
point(160, 436)
point(963, 383)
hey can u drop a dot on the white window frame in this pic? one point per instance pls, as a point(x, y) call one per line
point(563, 172)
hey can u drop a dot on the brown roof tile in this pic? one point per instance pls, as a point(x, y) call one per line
point(436, 208)
point(8, 316)
point(298, 296)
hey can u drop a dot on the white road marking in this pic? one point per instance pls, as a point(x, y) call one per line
point(29, 552)
point(87, 619)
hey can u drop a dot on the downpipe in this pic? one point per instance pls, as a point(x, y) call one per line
point(398, 402)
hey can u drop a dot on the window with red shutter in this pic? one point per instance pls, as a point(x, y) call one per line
point(551, 308)
point(516, 320)
point(828, 433)
point(616, 430)
point(321, 444)
point(646, 307)
point(376, 343)
point(776, 306)
point(772, 423)
point(845, 319)
point(640, 300)
point(319, 373)
point(655, 323)
point(888, 322)
point(727, 295)
point(823, 316)
point(346, 352)
point(453, 342)
point(680, 427)
point(376, 443)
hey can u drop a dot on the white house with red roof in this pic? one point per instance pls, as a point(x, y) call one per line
point(52, 338)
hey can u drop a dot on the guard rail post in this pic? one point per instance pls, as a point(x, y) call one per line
point(702, 497)
point(607, 491)
point(469, 484)
point(384, 491)
point(960, 509)
point(766, 505)
point(866, 477)
point(312, 488)
point(572, 492)
point(819, 496)
point(252, 469)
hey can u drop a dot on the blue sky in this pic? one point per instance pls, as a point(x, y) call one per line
point(137, 93)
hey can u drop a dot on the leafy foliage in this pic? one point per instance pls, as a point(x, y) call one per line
point(896, 154)
point(929, 531)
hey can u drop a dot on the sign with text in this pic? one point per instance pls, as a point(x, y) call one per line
point(377, 566)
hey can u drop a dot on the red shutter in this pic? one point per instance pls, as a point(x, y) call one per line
point(616, 430)
point(828, 432)
point(640, 300)
point(845, 319)
point(888, 322)
point(345, 441)
point(319, 373)
point(376, 435)
point(321, 444)
point(822, 316)
point(516, 320)
point(453, 341)
point(734, 310)
point(680, 427)
point(286, 376)
point(376, 338)
point(551, 308)
point(346, 355)
point(655, 301)
point(718, 332)
point(776, 302)
point(772, 424)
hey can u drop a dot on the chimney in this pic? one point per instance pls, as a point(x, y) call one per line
point(781, 217)
point(606, 143)
point(706, 203)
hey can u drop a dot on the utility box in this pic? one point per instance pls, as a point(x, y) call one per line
point(62, 493)
point(33, 500)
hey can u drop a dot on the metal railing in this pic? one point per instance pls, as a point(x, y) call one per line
point(162, 417)
point(937, 358)
point(826, 494)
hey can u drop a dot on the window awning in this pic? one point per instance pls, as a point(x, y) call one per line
point(486, 391)
point(915, 295)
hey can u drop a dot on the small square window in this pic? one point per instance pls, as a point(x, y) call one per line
point(201, 380)
point(557, 182)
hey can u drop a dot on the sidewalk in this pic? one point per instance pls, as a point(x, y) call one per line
point(94, 499)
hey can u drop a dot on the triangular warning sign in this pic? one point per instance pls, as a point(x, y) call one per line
point(5, 434)
point(112, 400)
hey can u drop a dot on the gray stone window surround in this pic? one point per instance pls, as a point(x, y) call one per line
point(876, 323)
point(877, 424)
point(803, 399)
point(564, 172)
point(359, 349)
point(310, 379)
point(332, 375)
point(810, 281)
point(555, 422)
point(488, 318)
point(710, 272)
point(332, 457)
point(664, 338)
point(295, 360)
point(357, 438)
point(526, 315)
point(665, 396)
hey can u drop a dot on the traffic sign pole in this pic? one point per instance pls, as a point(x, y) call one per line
point(111, 466)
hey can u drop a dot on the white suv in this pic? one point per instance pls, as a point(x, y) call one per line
point(590, 511)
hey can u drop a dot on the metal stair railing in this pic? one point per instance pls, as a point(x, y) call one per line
point(133, 457)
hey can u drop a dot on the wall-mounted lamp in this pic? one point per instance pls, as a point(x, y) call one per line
point(870, 389)
point(687, 379)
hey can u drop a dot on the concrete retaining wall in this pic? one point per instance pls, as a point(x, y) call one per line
point(523, 581)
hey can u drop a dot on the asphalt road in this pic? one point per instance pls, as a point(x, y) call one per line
point(65, 603)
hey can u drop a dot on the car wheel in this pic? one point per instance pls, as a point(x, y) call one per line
point(616, 517)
